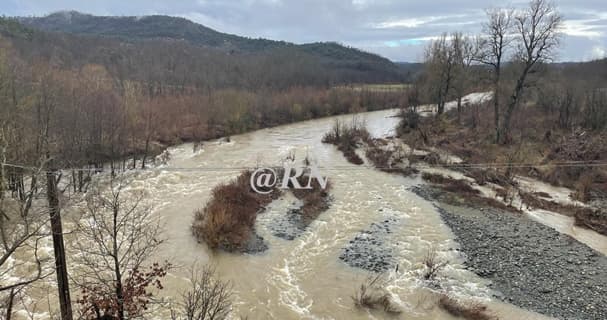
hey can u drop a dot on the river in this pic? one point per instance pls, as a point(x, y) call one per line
point(304, 278)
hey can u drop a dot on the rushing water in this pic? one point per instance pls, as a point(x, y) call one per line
point(304, 278)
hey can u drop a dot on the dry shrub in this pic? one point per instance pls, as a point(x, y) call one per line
point(433, 265)
point(379, 157)
point(227, 221)
point(592, 219)
point(373, 295)
point(583, 187)
point(484, 176)
point(432, 158)
point(347, 139)
point(315, 200)
point(208, 298)
point(466, 310)
point(533, 201)
point(458, 186)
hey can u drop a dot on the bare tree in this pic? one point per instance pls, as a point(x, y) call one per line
point(492, 46)
point(537, 29)
point(208, 297)
point(22, 227)
point(440, 68)
point(118, 235)
point(464, 54)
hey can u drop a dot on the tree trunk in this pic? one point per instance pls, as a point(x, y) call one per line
point(514, 100)
point(58, 245)
point(459, 109)
point(117, 270)
point(9, 304)
point(145, 153)
point(496, 104)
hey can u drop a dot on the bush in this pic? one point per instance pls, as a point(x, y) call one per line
point(469, 310)
point(315, 200)
point(432, 264)
point(347, 138)
point(227, 221)
point(208, 298)
point(449, 184)
point(373, 295)
point(592, 219)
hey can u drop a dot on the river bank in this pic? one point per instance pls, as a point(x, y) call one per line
point(533, 266)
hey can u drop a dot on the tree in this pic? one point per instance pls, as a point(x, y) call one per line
point(491, 49)
point(208, 297)
point(46, 102)
point(117, 238)
point(537, 29)
point(463, 50)
point(22, 227)
point(440, 68)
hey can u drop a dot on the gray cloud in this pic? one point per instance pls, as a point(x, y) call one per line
point(397, 29)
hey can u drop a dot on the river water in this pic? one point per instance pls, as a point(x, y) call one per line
point(304, 278)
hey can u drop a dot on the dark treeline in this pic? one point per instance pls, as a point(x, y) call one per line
point(182, 63)
point(99, 100)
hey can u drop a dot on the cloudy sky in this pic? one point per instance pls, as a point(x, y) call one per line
point(396, 29)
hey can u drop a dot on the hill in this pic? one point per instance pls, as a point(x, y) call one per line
point(167, 28)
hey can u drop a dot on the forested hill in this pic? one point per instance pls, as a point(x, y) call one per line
point(352, 64)
point(146, 28)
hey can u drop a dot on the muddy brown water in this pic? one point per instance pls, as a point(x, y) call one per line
point(304, 278)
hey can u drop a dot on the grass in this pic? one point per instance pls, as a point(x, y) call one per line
point(458, 186)
point(591, 219)
point(227, 220)
point(466, 310)
point(532, 200)
point(315, 200)
point(534, 140)
point(387, 160)
point(373, 295)
point(433, 265)
point(347, 138)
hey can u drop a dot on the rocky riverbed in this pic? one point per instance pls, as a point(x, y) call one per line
point(370, 249)
point(530, 265)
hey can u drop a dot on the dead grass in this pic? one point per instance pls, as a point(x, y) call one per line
point(534, 139)
point(227, 221)
point(315, 200)
point(433, 265)
point(467, 310)
point(387, 160)
point(591, 219)
point(458, 186)
point(347, 138)
point(373, 295)
point(534, 202)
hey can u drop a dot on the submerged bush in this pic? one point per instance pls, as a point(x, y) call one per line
point(466, 310)
point(373, 295)
point(347, 139)
point(227, 221)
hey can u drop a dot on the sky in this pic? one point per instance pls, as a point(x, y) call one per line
point(396, 29)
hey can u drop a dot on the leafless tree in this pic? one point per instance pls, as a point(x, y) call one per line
point(440, 63)
point(537, 30)
point(464, 54)
point(491, 48)
point(117, 237)
point(22, 227)
point(208, 297)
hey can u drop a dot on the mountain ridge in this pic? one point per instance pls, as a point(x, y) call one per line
point(163, 27)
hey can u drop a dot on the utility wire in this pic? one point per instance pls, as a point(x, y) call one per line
point(343, 167)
